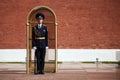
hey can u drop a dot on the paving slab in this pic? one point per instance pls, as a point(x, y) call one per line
point(66, 71)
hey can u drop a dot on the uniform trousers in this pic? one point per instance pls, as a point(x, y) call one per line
point(40, 56)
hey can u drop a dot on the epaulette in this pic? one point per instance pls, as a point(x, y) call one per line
point(44, 25)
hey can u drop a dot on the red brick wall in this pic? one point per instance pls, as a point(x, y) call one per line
point(81, 23)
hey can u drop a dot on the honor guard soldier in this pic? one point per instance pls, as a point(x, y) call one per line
point(40, 42)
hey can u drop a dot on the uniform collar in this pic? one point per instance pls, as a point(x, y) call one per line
point(39, 26)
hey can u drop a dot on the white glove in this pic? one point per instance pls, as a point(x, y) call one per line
point(34, 47)
point(46, 47)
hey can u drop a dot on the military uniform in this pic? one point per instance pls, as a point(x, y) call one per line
point(40, 41)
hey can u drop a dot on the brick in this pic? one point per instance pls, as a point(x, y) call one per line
point(81, 23)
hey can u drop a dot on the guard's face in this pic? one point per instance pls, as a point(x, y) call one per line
point(40, 21)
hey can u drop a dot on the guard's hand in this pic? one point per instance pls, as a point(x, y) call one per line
point(46, 47)
point(34, 47)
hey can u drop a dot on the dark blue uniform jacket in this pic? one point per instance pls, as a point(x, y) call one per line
point(39, 37)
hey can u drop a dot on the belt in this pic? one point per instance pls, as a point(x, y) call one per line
point(39, 38)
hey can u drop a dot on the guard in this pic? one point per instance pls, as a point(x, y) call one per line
point(40, 42)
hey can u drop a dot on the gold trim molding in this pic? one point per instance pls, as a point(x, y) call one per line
point(28, 68)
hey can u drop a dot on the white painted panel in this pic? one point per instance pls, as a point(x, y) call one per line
point(87, 54)
point(19, 55)
point(12, 55)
